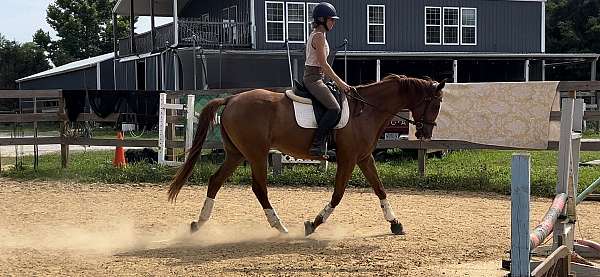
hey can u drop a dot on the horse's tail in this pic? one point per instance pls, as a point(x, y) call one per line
point(207, 116)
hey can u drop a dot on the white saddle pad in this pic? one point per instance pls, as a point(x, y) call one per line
point(305, 115)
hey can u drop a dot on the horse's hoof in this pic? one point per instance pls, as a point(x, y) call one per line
point(194, 227)
point(283, 234)
point(282, 230)
point(397, 229)
point(309, 228)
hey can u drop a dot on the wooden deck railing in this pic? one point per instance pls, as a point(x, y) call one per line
point(192, 31)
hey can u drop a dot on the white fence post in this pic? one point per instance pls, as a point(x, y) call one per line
point(565, 168)
point(378, 71)
point(189, 127)
point(162, 126)
point(455, 71)
point(576, 142)
point(526, 68)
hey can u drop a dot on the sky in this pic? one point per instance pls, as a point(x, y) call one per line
point(19, 19)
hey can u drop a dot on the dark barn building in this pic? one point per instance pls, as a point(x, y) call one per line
point(242, 43)
point(92, 73)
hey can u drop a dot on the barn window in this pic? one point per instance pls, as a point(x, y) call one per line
point(433, 25)
point(296, 22)
point(376, 24)
point(451, 21)
point(469, 26)
point(275, 20)
point(310, 7)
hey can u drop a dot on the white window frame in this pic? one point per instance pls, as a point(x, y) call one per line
point(309, 18)
point(267, 22)
point(369, 24)
point(431, 25)
point(287, 22)
point(458, 27)
point(225, 11)
point(236, 13)
point(461, 26)
point(205, 17)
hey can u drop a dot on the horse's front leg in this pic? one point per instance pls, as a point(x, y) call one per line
point(343, 173)
point(367, 166)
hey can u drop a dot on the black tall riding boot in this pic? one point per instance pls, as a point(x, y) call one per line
point(328, 121)
point(317, 149)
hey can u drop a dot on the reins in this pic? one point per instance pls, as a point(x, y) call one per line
point(356, 96)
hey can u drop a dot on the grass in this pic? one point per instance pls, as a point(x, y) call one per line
point(591, 134)
point(591, 131)
point(483, 171)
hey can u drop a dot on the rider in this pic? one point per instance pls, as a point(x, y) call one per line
point(316, 66)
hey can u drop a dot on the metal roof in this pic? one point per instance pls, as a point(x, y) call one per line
point(142, 7)
point(74, 66)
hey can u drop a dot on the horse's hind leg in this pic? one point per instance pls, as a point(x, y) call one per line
point(233, 158)
point(259, 187)
point(367, 166)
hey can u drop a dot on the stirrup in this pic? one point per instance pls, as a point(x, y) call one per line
point(325, 154)
point(331, 156)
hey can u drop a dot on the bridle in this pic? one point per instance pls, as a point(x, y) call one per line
point(419, 123)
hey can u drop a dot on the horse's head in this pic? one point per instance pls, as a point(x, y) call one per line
point(426, 109)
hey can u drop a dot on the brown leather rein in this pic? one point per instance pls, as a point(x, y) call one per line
point(419, 124)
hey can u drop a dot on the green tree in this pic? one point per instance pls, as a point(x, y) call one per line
point(572, 26)
point(19, 60)
point(42, 39)
point(84, 29)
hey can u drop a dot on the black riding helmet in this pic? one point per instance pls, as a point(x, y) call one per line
point(324, 10)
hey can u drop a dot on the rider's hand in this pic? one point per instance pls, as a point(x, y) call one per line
point(343, 86)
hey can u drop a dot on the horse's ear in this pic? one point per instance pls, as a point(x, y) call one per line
point(442, 84)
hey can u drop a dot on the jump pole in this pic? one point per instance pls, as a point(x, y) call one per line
point(588, 191)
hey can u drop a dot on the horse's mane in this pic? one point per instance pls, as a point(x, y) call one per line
point(403, 80)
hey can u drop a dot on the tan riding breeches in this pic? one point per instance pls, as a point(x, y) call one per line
point(313, 81)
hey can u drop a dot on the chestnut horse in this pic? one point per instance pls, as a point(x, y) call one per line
point(256, 121)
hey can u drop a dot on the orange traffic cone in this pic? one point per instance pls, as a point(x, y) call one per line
point(119, 160)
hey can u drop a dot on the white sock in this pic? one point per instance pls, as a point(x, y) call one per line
point(274, 220)
point(326, 212)
point(206, 211)
point(388, 213)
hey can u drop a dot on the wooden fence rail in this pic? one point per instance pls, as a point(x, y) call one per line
point(422, 146)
